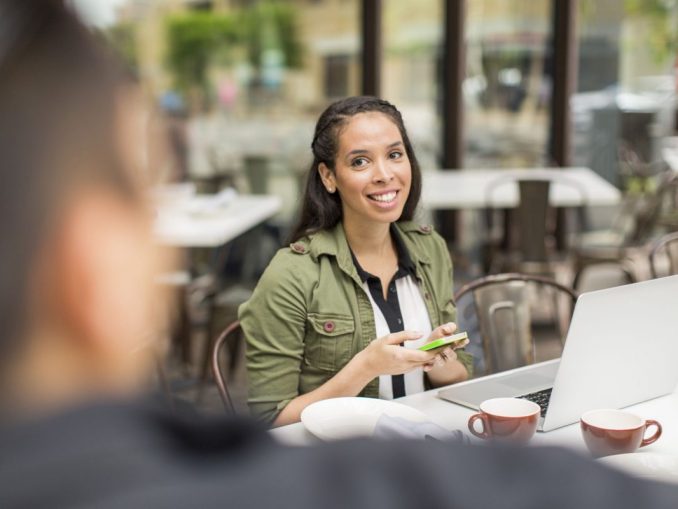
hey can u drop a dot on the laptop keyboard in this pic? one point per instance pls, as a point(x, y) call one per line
point(541, 398)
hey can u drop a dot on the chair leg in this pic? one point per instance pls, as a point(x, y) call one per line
point(211, 338)
point(184, 330)
point(235, 349)
point(209, 345)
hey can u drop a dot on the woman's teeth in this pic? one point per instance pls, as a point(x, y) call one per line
point(386, 197)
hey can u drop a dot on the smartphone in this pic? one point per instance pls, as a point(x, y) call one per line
point(454, 341)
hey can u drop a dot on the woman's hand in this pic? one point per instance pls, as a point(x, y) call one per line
point(385, 356)
point(446, 354)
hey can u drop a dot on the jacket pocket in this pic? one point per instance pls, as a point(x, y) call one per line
point(448, 312)
point(328, 340)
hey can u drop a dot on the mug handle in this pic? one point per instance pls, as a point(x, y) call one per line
point(483, 419)
point(656, 434)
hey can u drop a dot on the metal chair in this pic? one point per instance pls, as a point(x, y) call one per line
point(639, 219)
point(526, 240)
point(664, 255)
point(219, 377)
point(497, 312)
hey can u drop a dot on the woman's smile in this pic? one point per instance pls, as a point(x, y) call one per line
point(385, 199)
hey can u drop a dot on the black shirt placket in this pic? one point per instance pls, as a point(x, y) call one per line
point(390, 306)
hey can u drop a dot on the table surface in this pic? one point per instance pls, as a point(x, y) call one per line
point(468, 189)
point(452, 416)
point(180, 225)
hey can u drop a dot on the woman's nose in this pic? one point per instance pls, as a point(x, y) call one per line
point(382, 171)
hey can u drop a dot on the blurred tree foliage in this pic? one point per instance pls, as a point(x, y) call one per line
point(662, 16)
point(270, 25)
point(193, 40)
point(198, 39)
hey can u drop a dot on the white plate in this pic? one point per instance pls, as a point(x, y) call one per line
point(648, 465)
point(338, 418)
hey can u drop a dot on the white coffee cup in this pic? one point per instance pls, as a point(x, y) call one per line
point(506, 419)
point(616, 432)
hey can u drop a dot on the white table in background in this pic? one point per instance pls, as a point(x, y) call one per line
point(452, 416)
point(467, 189)
point(176, 227)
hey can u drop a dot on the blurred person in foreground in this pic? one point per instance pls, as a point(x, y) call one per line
point(77, 302)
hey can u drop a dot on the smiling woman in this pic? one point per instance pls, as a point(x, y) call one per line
point(359, 280)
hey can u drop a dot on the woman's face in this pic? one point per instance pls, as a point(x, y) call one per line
point(372, 171)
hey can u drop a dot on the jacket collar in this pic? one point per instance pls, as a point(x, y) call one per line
point(409, 232)
point(333, 242)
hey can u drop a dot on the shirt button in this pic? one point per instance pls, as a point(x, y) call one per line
point(400, 321)
point(328, 326)
point(392, 289)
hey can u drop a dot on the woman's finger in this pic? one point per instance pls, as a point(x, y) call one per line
point(460, 345)
point(443, 330)
point(449, 328)
point(400, 337)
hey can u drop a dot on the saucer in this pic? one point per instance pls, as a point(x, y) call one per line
point(648, 465)
point(339, 418)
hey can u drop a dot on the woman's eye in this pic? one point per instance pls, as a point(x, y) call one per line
point(396, 154)
point(359, 162)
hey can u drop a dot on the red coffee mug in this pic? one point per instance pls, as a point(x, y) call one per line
point(506, 419)
point(616, 432)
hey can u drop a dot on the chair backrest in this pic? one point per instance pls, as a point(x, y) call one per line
point(532, 213)
point(497, 312)
point(664, 255)
point(535, 217)
point(528, 234)
point(219, 377)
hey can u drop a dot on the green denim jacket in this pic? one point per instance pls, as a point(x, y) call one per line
point(309, 314)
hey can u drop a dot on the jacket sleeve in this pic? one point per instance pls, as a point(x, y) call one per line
point(273, 321)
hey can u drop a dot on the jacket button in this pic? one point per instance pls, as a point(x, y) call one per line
point(328, 326)
point(425, 228)
point(298, 248)
point(427, 296)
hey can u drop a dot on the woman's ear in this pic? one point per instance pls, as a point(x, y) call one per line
point(327, 176)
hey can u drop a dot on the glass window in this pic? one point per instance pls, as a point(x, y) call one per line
point(625, 101)
point(507, 88)
point(248, 80)
point(411, 76)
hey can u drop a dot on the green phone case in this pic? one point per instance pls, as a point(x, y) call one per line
point(446, 341)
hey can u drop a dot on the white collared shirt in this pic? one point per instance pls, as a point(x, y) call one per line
point(415, 317)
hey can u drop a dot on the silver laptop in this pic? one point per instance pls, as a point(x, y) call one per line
point(621, 349)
